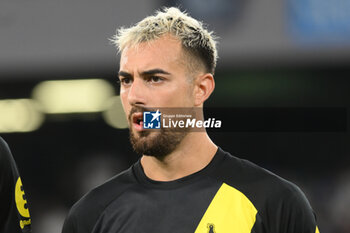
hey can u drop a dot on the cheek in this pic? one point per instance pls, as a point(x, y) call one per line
point(124, 100)
point(182, 95)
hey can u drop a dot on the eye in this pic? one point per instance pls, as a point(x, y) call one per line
point(155, 79)
point(125, 81)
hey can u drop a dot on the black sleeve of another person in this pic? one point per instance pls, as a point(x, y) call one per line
point(14, 214)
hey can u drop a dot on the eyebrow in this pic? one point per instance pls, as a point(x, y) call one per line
point(124, 74)
point(144, 73)
point(154, 71)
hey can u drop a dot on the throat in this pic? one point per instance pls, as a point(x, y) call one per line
point(178, 164)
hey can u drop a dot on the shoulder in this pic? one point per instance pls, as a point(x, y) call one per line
point(7, 163)
point(2, 141)
point(279, 202)
point(257, 183)
point(87, 210)
point(4, 149)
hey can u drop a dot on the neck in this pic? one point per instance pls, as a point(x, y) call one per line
point(193, 154)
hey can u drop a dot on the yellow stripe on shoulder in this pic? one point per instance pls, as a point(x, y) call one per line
point(230, 211)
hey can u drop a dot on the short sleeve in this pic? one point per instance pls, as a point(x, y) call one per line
point(291, 213)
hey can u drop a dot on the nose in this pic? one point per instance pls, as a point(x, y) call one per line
point(136, 93)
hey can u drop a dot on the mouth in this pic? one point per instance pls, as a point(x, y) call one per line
point(137, 121)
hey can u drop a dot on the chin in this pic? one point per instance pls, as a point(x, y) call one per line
point(156, 144)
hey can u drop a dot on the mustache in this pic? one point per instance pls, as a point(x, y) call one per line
point(136, 108)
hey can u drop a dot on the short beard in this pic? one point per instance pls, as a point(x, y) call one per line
point(157, 142)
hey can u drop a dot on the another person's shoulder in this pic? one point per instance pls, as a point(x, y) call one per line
point(4, 149)
point(2, 141)
point(6, 160)
point(85, 212)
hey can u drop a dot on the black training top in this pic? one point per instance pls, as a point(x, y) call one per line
point(230, 195)
point(14, 213)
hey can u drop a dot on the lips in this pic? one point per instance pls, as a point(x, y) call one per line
point(137, 121)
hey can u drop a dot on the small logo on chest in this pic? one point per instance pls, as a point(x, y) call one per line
point(211, 228)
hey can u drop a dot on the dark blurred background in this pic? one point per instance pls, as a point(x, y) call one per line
point(69, 136)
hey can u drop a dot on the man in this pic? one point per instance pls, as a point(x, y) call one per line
point(183, 181)
point(14, 213)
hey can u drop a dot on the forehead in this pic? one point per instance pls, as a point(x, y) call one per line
point(164, 52)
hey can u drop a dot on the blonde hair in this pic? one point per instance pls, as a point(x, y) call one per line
point(195, 38)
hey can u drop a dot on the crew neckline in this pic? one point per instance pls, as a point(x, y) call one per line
point(143, 179)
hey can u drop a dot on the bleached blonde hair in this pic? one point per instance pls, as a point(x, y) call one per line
point(195, 38)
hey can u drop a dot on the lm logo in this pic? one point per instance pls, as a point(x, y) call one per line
point(151, 120)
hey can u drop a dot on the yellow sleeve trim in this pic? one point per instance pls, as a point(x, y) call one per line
point(229, 211)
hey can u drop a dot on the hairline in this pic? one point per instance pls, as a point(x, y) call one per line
point(193, 62)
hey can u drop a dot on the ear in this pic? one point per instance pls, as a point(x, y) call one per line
point(204, 86)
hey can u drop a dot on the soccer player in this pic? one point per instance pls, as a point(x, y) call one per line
point(14, 213)
point(183, 182)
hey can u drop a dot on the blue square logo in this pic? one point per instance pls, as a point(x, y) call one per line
point(151, 120)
